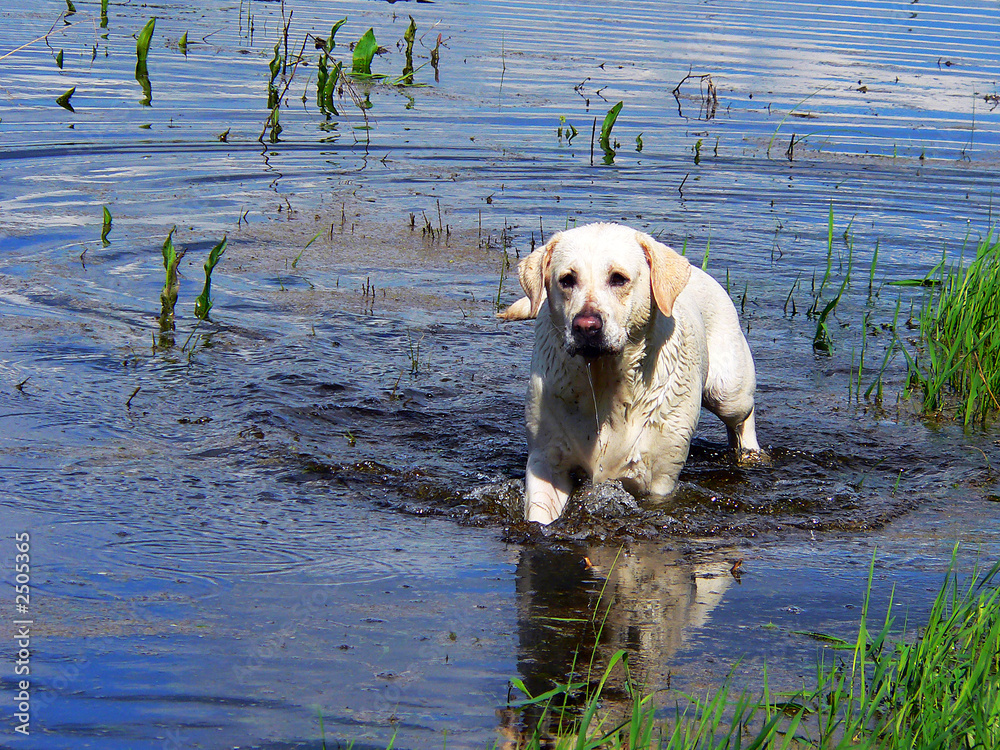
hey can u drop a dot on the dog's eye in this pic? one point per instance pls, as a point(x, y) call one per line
point(617, 279)
point(567, 281)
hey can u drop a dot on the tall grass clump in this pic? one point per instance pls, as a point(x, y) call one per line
point(886, 692)
point(959, 366)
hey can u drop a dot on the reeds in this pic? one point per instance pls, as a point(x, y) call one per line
point(822, 340)
point(958, 368)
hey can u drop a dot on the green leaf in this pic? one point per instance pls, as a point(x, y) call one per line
point(171, 284)
point(143, 40)
point(275, 126)
point(275, 64)
point(203, 304)
point(364, 52)
point(609, 123)
point(330, 44)
point(182, 44)
point(59, 59)
point(106, 227)
point(63, 99)
point(326, 95)
point(409, 36)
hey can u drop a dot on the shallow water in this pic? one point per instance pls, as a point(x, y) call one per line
point(306, 507)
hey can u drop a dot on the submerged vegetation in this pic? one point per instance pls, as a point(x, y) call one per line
point(888, 691)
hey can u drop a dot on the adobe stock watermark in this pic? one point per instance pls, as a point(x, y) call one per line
point(22, 633)
point(28, 703)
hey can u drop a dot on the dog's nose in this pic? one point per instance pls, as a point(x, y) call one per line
point(587, 324)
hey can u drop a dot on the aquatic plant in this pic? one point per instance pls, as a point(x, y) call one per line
point(142, 52)
point(822, 340)
point(63, 99)
point(413, 348)
point(789, 114)
point(409, 36)
point(203, 303)
point(605, 141)
point(364, 52)
point(436, 58)
point(959, 365)
point(182, 44)
point(326, 79)
point(142, 43)
point(171, 287)
point(504, 270)
point(275, 67)
point(105, 227)
point(566, 129)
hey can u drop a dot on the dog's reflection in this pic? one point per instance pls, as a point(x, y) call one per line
point(577, 606)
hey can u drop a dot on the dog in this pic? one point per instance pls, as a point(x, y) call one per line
point(631, 341)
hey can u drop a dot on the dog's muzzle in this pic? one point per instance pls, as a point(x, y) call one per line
point(587, 335)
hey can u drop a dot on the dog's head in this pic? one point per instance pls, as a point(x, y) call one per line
point(600, 281)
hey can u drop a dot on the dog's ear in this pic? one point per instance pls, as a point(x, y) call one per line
point(668, 272)
point(532, 271)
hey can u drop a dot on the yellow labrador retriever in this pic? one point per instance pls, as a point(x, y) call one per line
point(631, 341)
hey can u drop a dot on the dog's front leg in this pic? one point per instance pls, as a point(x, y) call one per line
point(545, 490)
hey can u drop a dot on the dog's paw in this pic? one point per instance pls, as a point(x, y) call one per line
point(759, 457)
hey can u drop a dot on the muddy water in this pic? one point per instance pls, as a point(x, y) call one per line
point(308, 507)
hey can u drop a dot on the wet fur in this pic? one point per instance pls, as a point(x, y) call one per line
point(620, 371)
